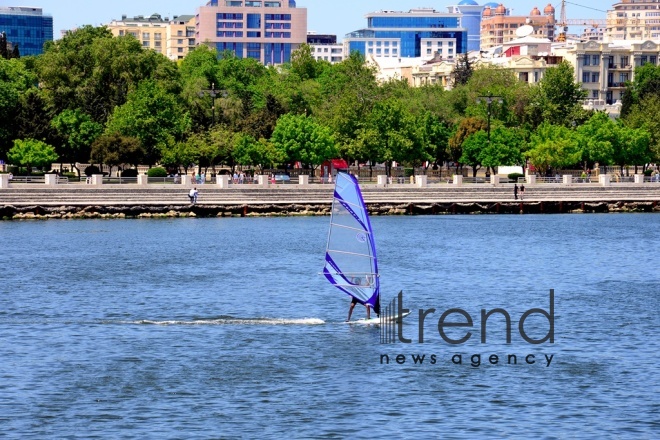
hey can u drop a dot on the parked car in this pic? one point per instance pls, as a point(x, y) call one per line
point(282, 178)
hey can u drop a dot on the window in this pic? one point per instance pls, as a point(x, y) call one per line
point(653, 59)
point(429, 51)
point(157, 36)
point(585, 77)
point(157, 44)
point(586, 61)
point(179, 33)
point(625, 61)
point(179, 49)
point(595, 77)
point(594, 94)
point(595, 60)
point(145, 35)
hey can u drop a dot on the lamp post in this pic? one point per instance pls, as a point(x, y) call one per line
point(213, 93)
point(489, 99)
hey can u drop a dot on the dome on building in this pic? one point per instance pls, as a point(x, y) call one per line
point(491, 5)
point(500, 10)
point(549, 10)
point(468, 3)
point(535, 12)
point(486, 12)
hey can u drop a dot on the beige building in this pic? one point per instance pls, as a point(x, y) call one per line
point(172, 38)
point(633, 20)
point(499, 27)
point(604, 68)
point(180, 36)
point(264, 30)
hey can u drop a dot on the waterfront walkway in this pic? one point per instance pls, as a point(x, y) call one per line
point(26, 201)
point(154, 195)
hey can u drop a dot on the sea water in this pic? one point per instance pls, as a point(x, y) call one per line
point(223, 328)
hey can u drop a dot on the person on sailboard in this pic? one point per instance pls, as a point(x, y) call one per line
point(354, 301)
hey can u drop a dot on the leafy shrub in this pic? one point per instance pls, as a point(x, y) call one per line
point(92, 169)
point(73, 177)
point(131, 172)
point(648, 172)
point(515, 176)
point(157, 172)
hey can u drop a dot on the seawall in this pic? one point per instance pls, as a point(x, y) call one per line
point(28, 201)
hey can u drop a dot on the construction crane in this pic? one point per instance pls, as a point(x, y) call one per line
point(564, 23)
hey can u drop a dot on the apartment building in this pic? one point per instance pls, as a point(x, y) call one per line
point(26, 27)
point(633, 20)
point(604, 68)
point(172, 38)
point(325, 47)
point(265, 30)
point(499, 27)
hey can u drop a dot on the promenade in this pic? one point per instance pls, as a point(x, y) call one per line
point(131, 200)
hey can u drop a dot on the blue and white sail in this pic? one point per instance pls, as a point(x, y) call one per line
point(350, 257)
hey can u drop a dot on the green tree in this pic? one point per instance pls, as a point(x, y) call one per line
point(115, 150)
point(553, 146)
point(31, 153)
point(78, 132)
point(302, 139)
point(645, 115)
point(465, 128)
point(15, 81)
point(631, 146)
point(153, 116)
point(259, 153)
point(559, 98)
point(597, 138)
point(90, 70)
point(462, 70)
point(646, 84)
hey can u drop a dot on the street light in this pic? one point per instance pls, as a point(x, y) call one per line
point(213, 93)
point(489, 99)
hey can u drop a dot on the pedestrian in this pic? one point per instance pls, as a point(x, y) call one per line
point(515, 191)
point(193, 195)
point(522, 191)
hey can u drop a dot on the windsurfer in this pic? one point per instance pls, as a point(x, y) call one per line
point(352, 306)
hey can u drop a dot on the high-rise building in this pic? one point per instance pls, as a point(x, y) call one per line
point(471, 21)
point(265, 30)
point(498, 26)
point(633, 20)
point(26, 27)
point(419, 33)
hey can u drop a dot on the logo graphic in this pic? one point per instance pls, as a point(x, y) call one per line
point(392, 316)
point(361, 237)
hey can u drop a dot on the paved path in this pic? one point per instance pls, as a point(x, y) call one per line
point(158, 195)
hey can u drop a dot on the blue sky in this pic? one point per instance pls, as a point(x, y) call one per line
point(324, 16)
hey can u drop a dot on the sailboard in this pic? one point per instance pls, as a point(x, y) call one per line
point(351, 264)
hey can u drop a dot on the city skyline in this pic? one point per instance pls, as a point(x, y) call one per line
point(338, 17)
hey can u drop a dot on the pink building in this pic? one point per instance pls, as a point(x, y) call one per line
point(266, 30)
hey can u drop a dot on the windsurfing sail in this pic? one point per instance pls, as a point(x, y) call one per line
point(350, 256)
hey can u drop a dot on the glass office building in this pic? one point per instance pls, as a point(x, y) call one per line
point(26, 27)
point(267, 31)
point(471, 12)
point(421, 32)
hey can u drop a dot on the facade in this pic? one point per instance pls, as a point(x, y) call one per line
point(499, 27)
point(421, 32)
point(633, 20)
point(172, 38)
point(26, 27)
point(180, 37)
point(472, 13)
point(325, 47)
point(150, 31)
point(604, 68)
point(265, 30)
